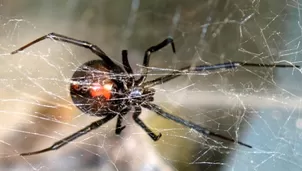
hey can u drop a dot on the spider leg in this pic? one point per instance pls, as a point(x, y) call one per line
point(119, 128)
point(188, 124)
point(148, 53)
point(137, 112)
point(54, 36)
point(128, 68)
point(126, 62)
point(73, 136)
point(202, 68)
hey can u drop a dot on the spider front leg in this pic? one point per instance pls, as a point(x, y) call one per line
point(148, 53)
point(58, 37)
point(72, 137)
point(137, 112)
point(204, 68)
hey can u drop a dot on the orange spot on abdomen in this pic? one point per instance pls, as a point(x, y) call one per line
point(98, 90)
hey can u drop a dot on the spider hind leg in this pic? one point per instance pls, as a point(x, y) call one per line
point(157, 109)
point(66, 140)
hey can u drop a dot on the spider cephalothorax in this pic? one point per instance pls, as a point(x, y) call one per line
point(103, 88)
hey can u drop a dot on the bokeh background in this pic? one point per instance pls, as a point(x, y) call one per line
point(260, 106)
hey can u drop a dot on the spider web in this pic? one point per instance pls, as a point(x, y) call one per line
point(259, 106)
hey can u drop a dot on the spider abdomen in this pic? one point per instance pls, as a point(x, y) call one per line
point(92, 88)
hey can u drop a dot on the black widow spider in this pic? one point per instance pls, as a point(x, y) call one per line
point(103, 88)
